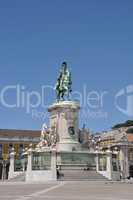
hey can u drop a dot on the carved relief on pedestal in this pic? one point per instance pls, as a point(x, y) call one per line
point(64, 119)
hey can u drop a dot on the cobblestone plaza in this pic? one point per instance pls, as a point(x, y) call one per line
point(66, 191)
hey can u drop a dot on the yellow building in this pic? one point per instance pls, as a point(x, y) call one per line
point(120, 139)
point(17, 139)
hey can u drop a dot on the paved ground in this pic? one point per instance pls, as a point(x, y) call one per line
point(66, 191)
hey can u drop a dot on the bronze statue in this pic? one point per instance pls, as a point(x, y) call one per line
point(64, 83)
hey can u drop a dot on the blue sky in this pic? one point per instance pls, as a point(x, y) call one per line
point(94, 37)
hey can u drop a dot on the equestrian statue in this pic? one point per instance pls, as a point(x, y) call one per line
point(63, 86)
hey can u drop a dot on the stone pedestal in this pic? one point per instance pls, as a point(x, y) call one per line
point(109, 164)
point(48, 174)
point(64, 122)
point(29, 166)
point(11, 168)
point(53, 164)
point(124, 166)
point(97, 161)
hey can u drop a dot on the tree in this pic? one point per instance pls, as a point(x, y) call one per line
point(125, 124)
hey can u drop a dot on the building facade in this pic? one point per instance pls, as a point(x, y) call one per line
point(17, 140)
point(120, 140)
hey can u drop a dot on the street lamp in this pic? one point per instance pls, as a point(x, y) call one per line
point(4, 169)
point(24, 159)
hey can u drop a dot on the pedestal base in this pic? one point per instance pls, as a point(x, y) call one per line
point(68, 145)
point(64, 122)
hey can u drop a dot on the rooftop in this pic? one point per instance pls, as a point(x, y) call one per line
point(21, 133)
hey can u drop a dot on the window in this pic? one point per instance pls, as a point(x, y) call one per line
point(0, 151)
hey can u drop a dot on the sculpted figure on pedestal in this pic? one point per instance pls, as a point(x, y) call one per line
point(64, 83)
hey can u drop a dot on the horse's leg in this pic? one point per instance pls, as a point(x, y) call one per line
point(58, 96)
point(68, 96)
point(62, 96)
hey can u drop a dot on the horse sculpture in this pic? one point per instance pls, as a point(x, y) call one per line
point(63, 85)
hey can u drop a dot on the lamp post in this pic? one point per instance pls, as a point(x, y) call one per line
point(24, 159)
point(4, 169)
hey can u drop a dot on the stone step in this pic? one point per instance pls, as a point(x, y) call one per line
point(80, 175)
point(18, 178)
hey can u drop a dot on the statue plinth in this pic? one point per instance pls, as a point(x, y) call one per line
point(64, 122)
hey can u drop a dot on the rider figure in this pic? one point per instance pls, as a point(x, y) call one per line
point(63, 85)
